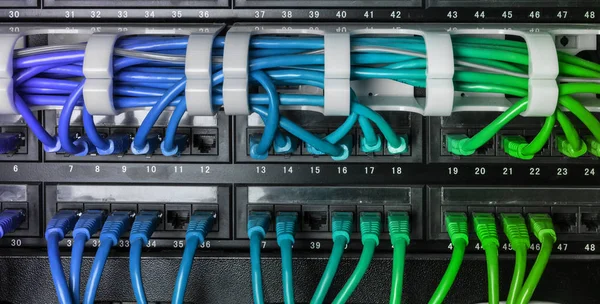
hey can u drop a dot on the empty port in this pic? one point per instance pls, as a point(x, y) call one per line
point(315, 220)
point(565, 222)
point(177, 217)
point(590, 222)
point(204, 144)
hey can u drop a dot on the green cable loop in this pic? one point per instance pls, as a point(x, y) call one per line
point(493, 270)
point(363, 264)
point(569, 129)
point(537, 270)
point(518, 274)
point(399, 256)
point(332, 265)
point(588, 119)
point(451, 272)
point(540, 140)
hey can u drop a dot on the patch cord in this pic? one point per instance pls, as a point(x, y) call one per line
point(149, 73)
point(84, 225)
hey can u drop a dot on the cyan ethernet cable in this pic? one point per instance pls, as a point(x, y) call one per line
point(341, 229)
point(200, 225)
point(143, 227)
point(258, 225)
point(113, 229)
point(370, 229)
point(88, 224)
point(58, 226)
point(286, 224)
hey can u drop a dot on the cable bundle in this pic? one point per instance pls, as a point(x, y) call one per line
point(149, 72)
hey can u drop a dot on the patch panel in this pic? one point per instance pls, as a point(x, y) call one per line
point(573, 210)
point(175, 203)
point(405, 125)
point(25, 197)
point(207, 138)
point(315, 206)
point(493, 151)
point(16, 141)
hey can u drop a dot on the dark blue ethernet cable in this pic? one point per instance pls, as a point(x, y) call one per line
point(258, 225)
point(10, 220)
point(60, 224)
point(114, 227)
point(10, 142)
point(199, 226)
point(143, 227)
point(286, 224)
point(88, 224)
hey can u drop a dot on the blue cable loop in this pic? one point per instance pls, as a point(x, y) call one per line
point(200, 225)
point(114, 227)
point(88, 224)
point(143, 227)
point(10, 220)
point(60, 224)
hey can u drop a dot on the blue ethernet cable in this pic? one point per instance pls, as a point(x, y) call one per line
point(88, 224)
point(286, 224)
point(10, 220)
point(60, 224)
point(258, 225)
point(200, 225)
point(65, 121)
point(114, 227)
point(143, 227)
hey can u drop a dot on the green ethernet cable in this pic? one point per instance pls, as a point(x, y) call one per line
point(456, 224)
point(515, 230)
point(543, 229)
point(485, 227)
point(569, 144)
point(370, 228)
point(399, 227)
point(341, 227)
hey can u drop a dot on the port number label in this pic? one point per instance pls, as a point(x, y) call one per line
point(452, 170)
point(16, 168)
point(507, 247)
point(178, 244)
point(590, 247)
point(535, 171)
point(562, 171)
point(205, 245)
point(478, 246)
point(178, 169)
point(16, 242)
point(562, 247)
point(590, 15)
point(288, 170)
point(315, 245)
point(369, 170)
point(586, 172)
point(535, 246)
point(315, 170)
point(261, 169)
point(342, 170)
point(479, 170)
point(397, 170)
point(507, 171)
point(151, 243)
point(71, 168)
point(97, 169)
point(450, 246)
point(151, 169)
point(205, 169)
point(124, 243)
point(264, 244)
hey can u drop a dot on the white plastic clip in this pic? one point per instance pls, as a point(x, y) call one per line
point(7, 46)
point(543, 71)
point(235, 73)
point(98, 71)
point(198, 72)
point(440, 71)
point(337, 74)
